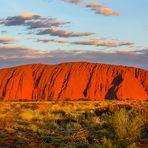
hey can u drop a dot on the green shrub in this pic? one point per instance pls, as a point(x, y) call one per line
point(127, 126)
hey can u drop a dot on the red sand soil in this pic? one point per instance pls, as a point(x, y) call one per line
point(75, 80)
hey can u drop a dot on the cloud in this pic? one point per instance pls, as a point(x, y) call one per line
point(107, 43)
point(44, 25)
point(97, 7)
point(100, 9)
point(74, 1)
point(18, 20)
point(11, 56)
point(6, 40)
point(63, 33)
point(63, 41)
point(92, 42)
point(32, 21)
point(27, 16)
point(15, 52)
point(3, 31)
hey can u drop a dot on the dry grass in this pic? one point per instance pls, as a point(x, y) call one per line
point(89, 124)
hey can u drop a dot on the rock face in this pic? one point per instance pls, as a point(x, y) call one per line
point(73, 81)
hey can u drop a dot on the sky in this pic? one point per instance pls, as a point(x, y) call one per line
point(57, 31)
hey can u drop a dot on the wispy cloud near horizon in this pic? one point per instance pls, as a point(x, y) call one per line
point(15, 55)
point(53, 31)
point(91, 42)
point(4, 40)
point(107, 43)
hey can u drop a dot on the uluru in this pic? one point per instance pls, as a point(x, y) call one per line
point(73, 81)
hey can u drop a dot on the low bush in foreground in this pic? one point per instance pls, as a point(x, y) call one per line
point(81, 124)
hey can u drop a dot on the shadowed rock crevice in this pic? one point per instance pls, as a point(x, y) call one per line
point(89, 81)
point(38, 79)
point(111, 94)
point(7, 82)
point(64, 85)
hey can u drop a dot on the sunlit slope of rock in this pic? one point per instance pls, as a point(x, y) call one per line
point(76, 80)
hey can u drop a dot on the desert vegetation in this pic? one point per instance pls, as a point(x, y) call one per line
point(79, 124)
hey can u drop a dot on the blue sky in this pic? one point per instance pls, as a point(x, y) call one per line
point(121, 38)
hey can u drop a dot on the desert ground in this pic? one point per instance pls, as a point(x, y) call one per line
point(74, 124)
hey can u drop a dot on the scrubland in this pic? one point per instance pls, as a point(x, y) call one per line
point(69, 124)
